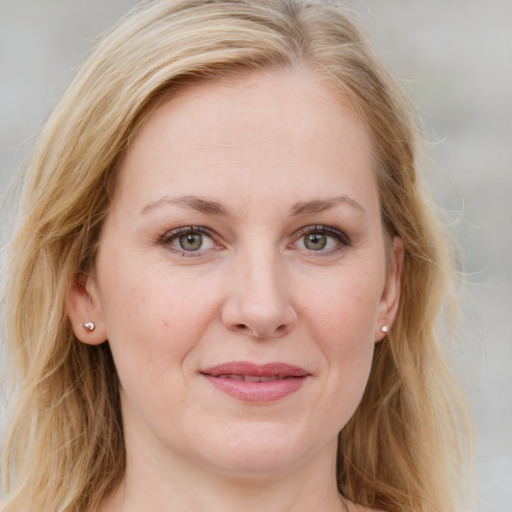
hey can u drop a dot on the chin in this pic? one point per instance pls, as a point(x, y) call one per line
point(264, 450)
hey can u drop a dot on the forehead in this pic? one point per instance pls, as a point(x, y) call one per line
point(277, 127)
point(284, 96)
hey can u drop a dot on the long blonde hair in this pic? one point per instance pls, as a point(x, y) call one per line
point(404, 447)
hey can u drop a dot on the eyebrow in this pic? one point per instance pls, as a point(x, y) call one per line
point(320, 205)
point(211, 207)
point(199, 204)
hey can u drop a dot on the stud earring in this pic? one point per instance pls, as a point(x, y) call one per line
point(384, 329)
point(89, 325)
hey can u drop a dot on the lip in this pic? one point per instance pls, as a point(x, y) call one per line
point(254, 383)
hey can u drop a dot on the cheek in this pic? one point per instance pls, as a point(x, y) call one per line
point(153, 321)
point(342, 319)
point(344, 308)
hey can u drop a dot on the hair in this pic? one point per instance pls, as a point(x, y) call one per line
point(406, 445)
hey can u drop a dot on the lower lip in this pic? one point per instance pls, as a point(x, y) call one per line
point(257, 392)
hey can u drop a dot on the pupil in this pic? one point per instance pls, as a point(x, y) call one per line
point(191, 242)
point(315, 242)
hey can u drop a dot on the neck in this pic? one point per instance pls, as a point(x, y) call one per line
point(181, 486)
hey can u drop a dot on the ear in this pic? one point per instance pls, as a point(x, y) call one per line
point(83, 306)
point(390, 298)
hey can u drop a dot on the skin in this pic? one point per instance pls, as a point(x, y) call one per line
point(270, 157)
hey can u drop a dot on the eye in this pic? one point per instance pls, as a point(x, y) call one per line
point(316, 241)
point(321, 239)
point(188, 240)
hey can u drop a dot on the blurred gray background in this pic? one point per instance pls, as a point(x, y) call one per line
point(455, 59)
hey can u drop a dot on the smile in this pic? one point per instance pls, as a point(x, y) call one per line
point(253, 378)
point(256, 383)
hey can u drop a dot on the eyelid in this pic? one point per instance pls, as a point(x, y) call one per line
point(341, 237)
point(170, 235)
point(343, 240)
point(326, 230)
point(173, 233)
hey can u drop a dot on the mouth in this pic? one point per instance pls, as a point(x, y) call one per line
point(253, 383)
point(253, 378)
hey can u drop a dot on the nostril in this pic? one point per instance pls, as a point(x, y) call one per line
point(278, 331)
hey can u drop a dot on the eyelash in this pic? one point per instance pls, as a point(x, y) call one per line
point(343, 241)
point(174, 234)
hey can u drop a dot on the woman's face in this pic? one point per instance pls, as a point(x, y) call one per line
point(241, 275)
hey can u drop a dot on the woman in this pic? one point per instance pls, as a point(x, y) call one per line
point(224, 288)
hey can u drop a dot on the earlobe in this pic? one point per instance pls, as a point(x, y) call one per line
point(390, 298)
point(84, 312)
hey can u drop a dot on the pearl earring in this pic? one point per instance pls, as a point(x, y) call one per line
point(89, 325)
point(384, 329)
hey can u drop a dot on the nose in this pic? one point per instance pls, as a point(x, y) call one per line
point(258, 302)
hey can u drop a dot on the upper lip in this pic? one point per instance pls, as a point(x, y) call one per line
point(257, 370)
